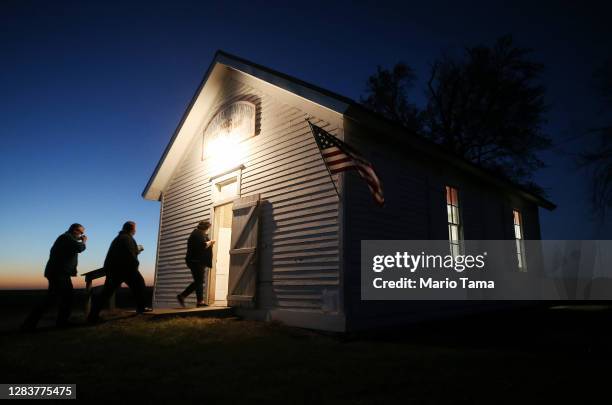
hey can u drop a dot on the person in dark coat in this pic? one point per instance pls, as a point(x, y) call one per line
point(198, 258)
point(62, 264)
point(121, 266)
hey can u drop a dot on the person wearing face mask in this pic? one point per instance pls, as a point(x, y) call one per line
point(121, 266)
point(62, 264)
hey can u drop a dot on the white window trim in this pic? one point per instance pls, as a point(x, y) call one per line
point(224, 177)
point(521, 257)
point(459, 223)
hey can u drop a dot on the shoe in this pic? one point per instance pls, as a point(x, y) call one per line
point(201, 304)
point(145, 309)
point(181, 300)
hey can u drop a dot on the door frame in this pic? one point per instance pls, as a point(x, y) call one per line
point(212, 272)
point(213, 182)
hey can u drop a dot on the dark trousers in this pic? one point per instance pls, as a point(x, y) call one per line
point(134, 281)
point(60, 293)
point(197, 271)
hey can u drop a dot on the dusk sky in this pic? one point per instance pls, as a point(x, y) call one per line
point(92, 92)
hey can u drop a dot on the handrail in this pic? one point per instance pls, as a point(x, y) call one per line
point(90, 276)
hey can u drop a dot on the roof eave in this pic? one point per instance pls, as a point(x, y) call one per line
point(335, 102)
point(149, 192)
point(363, 115)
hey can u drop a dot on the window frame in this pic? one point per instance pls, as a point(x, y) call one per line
point(453, 213)
point(519, 239)
point(208, 135)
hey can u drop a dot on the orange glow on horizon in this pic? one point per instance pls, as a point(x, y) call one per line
point(37, 282)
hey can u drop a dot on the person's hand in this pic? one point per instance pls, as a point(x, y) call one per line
point(84, 238)
point(210, 243)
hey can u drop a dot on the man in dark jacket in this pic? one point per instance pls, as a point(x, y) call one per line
point(62, 265)
point(198, 257)
point(121, 266)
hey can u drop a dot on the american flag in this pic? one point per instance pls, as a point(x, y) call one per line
point(338, 157)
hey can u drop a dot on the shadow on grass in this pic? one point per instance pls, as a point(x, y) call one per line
point(499, 358)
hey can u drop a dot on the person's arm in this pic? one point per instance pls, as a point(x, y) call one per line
point(71, 248)
point(73, 245)
point(130, 251)
point(208, 243)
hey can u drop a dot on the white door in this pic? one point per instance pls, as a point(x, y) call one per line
point(222, 233)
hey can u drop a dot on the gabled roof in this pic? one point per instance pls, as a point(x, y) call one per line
point(323, 97)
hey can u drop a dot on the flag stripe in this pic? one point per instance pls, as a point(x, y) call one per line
point(340, 157)
point(341, 168)
point(332, 152)
point(339, 160)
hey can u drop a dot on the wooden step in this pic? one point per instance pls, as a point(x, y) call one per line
point(202, 312)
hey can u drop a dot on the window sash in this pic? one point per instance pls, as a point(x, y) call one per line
point(519, 240)
point(455, 231)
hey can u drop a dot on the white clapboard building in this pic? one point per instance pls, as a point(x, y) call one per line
point(288, 247)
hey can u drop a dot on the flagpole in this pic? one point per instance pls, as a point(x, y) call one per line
point(323, 159)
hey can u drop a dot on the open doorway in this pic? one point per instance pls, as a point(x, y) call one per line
point(219, 274)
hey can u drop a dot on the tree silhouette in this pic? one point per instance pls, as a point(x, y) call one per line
point(387, 94)
point(488, 107)
point(485, 105)
point(598, 158)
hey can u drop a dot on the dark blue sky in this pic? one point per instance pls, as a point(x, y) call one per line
point(90, 94)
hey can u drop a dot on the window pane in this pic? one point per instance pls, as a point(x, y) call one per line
point(517, 217)
point(454, 233)
point(518, 236)
point(455, 199)
point(454, 224)
point(455, 251)
point(455, 211)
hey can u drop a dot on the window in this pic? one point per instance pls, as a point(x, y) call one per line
point(223, 145)
point(230, 126)
point(519, 240)
point(226, 186)
point(226, 189)
point(455, 231)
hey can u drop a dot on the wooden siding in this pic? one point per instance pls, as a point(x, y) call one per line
point(299, 252)
point(415, 208)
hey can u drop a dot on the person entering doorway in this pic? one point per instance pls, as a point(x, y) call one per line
point(198, 258)
point(222, 233)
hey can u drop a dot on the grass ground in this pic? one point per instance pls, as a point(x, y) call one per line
point(557, 355)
